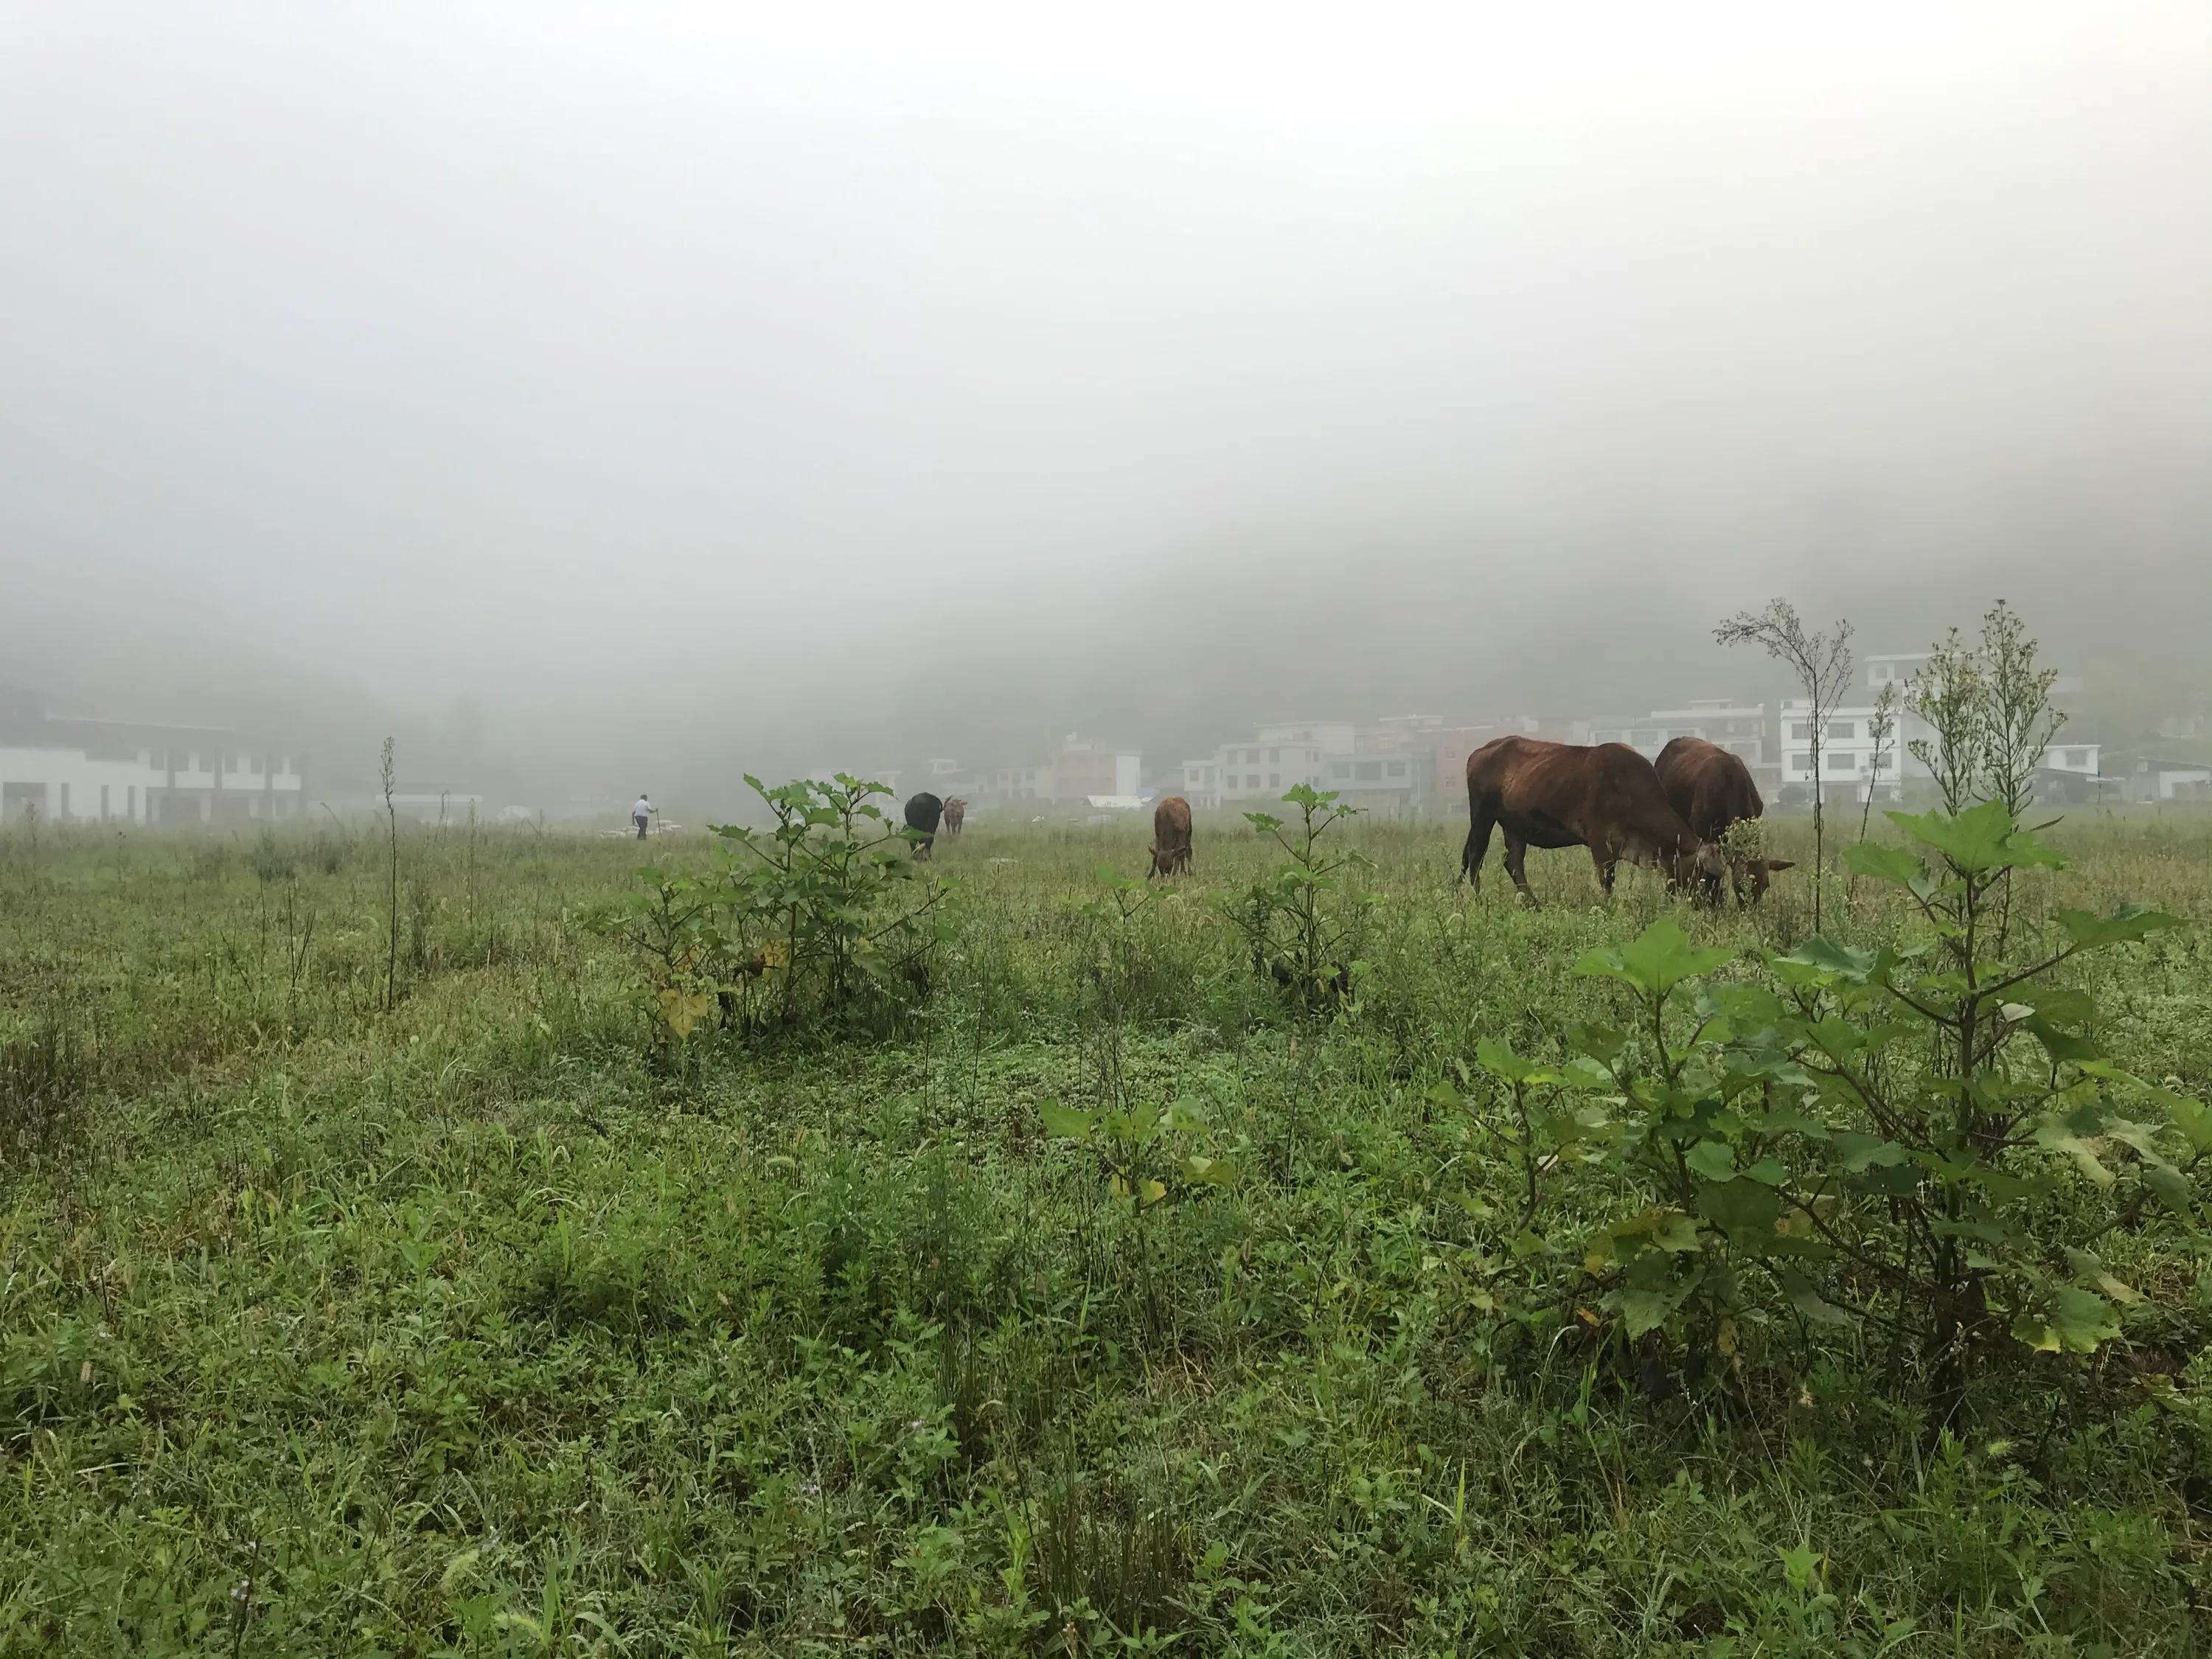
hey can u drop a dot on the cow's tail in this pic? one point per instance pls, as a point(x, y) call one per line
point(1477, 837)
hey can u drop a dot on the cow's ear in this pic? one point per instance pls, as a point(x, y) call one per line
point(1773, 865)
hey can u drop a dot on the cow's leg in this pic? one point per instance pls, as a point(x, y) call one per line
point(1607, 862)
point(1517, 855)
point(1477, 845)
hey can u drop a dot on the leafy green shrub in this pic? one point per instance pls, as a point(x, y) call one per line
point(1148, 1154)
point(1299, 935)
point(805, 920)
point(1924, 1142)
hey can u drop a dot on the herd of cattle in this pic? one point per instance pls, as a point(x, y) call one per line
point(1673, 814)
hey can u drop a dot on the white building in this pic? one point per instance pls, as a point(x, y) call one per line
point(93, 771)
point(1261, 770)
point(1201, 782)
point(1391, 782)
point(2153, 779)
point(1851, 765)
point(1023, 783)
point(1384, 768)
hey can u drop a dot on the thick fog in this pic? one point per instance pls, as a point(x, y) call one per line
point(664, 391)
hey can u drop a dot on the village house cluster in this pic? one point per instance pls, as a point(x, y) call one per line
point(1413, 765)
point(71, 769)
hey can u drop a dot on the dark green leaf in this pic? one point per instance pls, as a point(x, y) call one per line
point(1810, 1301)
point(2130, 921)
point(2061, 1045)
point(1889, 864)
point(1740, 1206)
point(1861, 1152)
point(1058, 1120)
point(1713, 1160)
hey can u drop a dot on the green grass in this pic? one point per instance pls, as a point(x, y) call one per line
point(461, 1329)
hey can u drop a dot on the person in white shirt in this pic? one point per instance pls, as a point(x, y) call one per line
point(641, 814)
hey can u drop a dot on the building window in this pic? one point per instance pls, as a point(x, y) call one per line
point(1397, 769)
point(1370, 771)
point(2077, 758)
point(1840, 762)
point(1339, 768)
point(1274, 757)
point(1844, 729)
point(1274, 780)
point(1801, 762)
point(1801, 729)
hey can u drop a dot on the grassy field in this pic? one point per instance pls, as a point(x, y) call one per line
point(472, 1325)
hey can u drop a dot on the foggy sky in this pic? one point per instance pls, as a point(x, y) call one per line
point(702, 385)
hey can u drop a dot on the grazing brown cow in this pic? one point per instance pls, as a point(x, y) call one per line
point(1170, 837)
point(1557, 794)
point(922, 812)
point(956, 814)
point(1711, 788)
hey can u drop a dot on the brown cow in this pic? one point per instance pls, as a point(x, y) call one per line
point(956, 814)
point(1711, 788)
point(1170, 837)
point(1557, 794)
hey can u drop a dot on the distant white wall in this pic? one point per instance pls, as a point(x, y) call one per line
point(72, 783)
point(66, 784)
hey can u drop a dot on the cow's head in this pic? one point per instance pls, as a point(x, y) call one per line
point(1699, 868)
point(1752, 873)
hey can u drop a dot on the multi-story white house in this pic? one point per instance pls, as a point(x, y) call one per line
point(77, 771)
point(1201, 782)
point(1391, 782)
point(1010, 783)
point(1261, 770)
point(1386, 768)
point(1853, 766)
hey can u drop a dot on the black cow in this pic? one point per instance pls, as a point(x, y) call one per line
point(924, 812)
